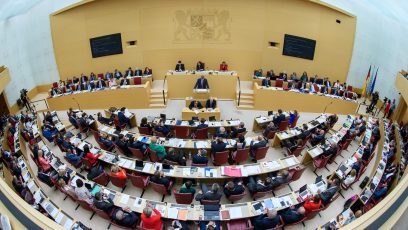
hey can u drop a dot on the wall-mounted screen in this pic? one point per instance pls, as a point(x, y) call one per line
point(299, 47)
point(106, 45)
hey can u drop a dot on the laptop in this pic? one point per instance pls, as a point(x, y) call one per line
point(212, 212)
point(343, 168)
point(166, 168)
point(139, 165)
point(303, 191)
point(270, 113)
point(212, 118)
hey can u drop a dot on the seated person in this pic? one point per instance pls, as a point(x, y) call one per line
point(283, 76)
point(380, 191)
point(332, 119)
point(138, 72)
point(261, 142)
point(125, 217)
point(331, 151)
point(100, 84)
point(218, 146)
point(187, 188)
point(223, 66)
point(293, 116)
point(135, 144)
point(49, 133)
point(112, 83)
point(305, 132)
point(240, 130)
point(209, 225)
point(357, 165)
point(312, 204)
point(90, 157)
point(162, 128)
point(82, 192)
point(122, 118)
point(270, 128)
point(104, 120)
point(128, 73)
point(66, 188)
point(194, 104)
point(44, 163)
point(103, 203)
point(200, 157)
point(211, 103)
point(240, 144)
point(200, 66)
point(117, 74)
point(292, 144)
point(94, 172)
point(159, 178)
point(106, 140)
point(255, 184)
point(233, 188)
point(122, 143)
point(258, 73)
point(268, 220)
point(124, 82)
point(174, 156)
point(291, 215)
point(85, 120)
point(159, 149)
point(63, 175)
point(202, 124)
point(19, 186)
point(221, 133)
point(366, 153)
point(281, 178)
point(206, 194)
point(317, 138)
point(151, 218)
point(332, 189)
point(145, 124)
point(118, 172)
point(350, 178)
point(201, 83)
point(179, 67)
point(266, 82)
point(147, 71)
point(271, 75)
point(278, 118)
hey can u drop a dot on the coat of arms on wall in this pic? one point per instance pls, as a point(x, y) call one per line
point(202, 25)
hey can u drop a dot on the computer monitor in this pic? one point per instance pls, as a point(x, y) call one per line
point(270, 113)
point(163, 116)
point(212, 118)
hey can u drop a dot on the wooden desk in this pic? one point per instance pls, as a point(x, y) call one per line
point(270, 99)
point(261, 121)
point(187, 114)
point(213, 126)
point(202, 100)
point(136, 97)
point(132, 118)
point(181, 86)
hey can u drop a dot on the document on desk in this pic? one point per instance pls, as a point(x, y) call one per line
point(105, 129)
point(124, 198)
point(261, 119)
point(138, 202)
point(68, 224)
point(235, 212)
point(315, 152)
point(201, 144)
point(172, 213)
point(59, 217)
point(234, 122)
point(127, 113)
point(271, 165)
point(147, 167)
point(283, 134)
point(290, 161)
point(253, 169)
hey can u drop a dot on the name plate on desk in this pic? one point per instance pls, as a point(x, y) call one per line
point(201, 91)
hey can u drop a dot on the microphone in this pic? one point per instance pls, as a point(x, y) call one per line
point(324, 111)
point(79, 108)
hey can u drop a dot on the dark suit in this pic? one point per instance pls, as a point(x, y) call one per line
point(122, 118)
point(264, 222)
point(283, 76)
point(330, 152)
point(218, 147)
point(118, 75)
point(327, 194)
point(191, 106)
point(200, 159)
point(128, 73)
point(291, 216)
point(83, 79)
point(266, 82)
point(200, 66)
point(210, 104)
point(104, 205)
point(278, 119)
point(129, 219)
point(257, 145)
point(235, 131)
point(123, 146)
point(122, 82)
point(201, 84)
point(160, 180)
point(238, 189)
point(100, 84)
point(138, 72)
point(317, 139)
point(147, 72)
point(202, 126)
point(179, 67)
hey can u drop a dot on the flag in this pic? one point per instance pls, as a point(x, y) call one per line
point(373, 84)
point(363, 93)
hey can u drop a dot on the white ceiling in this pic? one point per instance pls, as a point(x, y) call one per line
point(11, 8)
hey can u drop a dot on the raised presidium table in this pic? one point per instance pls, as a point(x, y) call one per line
point(222, 84)
point(293, 132)
point(131, 116)
point(273, 98)
point(129, 96)
point(187, 113)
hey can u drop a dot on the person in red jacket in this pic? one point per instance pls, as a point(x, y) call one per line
point(312, 204)
point(223, 66)
point(93, 159)
point(118, 172)
point(151, 220)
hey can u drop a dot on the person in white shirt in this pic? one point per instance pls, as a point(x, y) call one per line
point(350, 178)
point(82, 192)
point(112, 82)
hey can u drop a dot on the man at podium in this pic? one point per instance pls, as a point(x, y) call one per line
point(202, 83)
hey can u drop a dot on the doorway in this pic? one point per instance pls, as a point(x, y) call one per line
point(3, 105)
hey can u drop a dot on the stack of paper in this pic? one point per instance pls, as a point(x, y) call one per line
point(290, 161)
point(253, 169)
point(124, 198)
point(201, 144)
point(232, 171)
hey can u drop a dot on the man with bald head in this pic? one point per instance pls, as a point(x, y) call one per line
point(259, 143)
point(125, 217)
point(211, 103)
point(293, 215)
point(269, 219)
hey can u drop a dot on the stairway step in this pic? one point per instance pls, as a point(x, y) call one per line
point(156, 100)
point(246, 102)
point(243, 107)
point(157, 95)
point(245, 97)
point(157, 105)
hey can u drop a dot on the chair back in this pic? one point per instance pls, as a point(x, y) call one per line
point(280, 226)
point(295, 152)
point(283, 125)
point(183, 198)
point(294, 122)
point(349, 95)
point(220, 158)
point(121, 183)
point(169, 162)
point(311, 214)
point(201, 133)
point(143, 130)
point(316, 87)
point(139, 181)
point(95, 134)
point(198, 165)
point(137, 153)
point(86, 162)
point(346, 144)
point(158, 134)
point(241, 155)
point(117, 123)
point(142, 228)
point(119, 148)
point(84, 204)
point(204, 202)
point(102, 179)
point(279, 83)
point(320, 162)
point(101, 213)
point(297, 172)
point(159, 188)
point(181, 131)
point(137, 80)
point(260, 153)
point(153, 155)
point(81, 128)
point(238, 197)
point(257, 195)
point(54, 84)
point(270, 135)
point(239, 224)
point(349, 88)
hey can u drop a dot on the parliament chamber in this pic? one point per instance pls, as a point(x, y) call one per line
point(201, 115)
